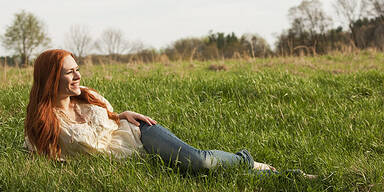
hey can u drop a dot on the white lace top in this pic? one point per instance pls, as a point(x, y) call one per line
point(97, 133)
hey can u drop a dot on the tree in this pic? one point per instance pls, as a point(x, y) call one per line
point(113, 43)
point(186, 48)
point(309, 26)
point(350, 11)
point(79, 41)
point(258, 46)
point(24, 35)
point(310, 16)
point(377, 7)
point(227, 46)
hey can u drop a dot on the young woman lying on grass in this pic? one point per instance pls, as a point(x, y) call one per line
point(64, 118)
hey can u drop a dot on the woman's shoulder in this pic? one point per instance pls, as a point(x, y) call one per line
point(91, 91)
point(99, 96)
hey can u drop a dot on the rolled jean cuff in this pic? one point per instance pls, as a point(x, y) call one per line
point(247, 157)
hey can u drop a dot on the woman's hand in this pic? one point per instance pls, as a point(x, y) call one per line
point(132, 117)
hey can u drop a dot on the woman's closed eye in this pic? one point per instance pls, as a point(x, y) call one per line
point(71, 71)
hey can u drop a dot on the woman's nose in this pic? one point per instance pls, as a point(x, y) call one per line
point(77, 75)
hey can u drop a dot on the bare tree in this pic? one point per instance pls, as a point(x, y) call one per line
point(311, 17)
point(79, 41)
point(309, 23)
point(377, 7)
point(350, 11)
point(258, 45)
point(112, 43)
point(186, 48)
point(134, 46)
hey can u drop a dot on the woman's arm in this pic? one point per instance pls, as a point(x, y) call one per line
point(133, 116)
point(128, 115)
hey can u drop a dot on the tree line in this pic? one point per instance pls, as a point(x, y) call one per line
point(311, 32)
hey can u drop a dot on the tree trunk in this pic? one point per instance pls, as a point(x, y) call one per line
point(24, 61)
point(353, 35)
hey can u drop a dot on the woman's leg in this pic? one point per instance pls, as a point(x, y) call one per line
point(159, 140)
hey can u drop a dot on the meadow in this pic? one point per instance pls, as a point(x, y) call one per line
point(323, 115)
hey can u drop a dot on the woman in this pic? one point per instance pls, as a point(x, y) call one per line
point(64, 119)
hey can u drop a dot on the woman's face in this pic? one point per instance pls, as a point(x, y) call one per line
point(69, 78)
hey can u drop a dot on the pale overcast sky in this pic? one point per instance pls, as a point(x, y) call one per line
point(156, 23)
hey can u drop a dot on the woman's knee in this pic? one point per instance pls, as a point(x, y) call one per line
point(208, 163)
point(203, 160)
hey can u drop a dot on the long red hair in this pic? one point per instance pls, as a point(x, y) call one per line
point(41, 125)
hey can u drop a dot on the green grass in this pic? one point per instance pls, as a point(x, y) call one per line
point(323, 115)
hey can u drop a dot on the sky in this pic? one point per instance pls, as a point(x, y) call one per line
point(156, 23)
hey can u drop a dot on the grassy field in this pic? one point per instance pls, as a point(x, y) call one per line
point(323, 115)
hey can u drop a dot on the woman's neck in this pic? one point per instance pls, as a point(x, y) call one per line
point(64, 103)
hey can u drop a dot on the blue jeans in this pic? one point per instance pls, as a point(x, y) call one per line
point(159, 140)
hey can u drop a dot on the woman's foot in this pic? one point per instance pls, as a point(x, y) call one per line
point(309, 176)
point(300, 172)
point(262, 166)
